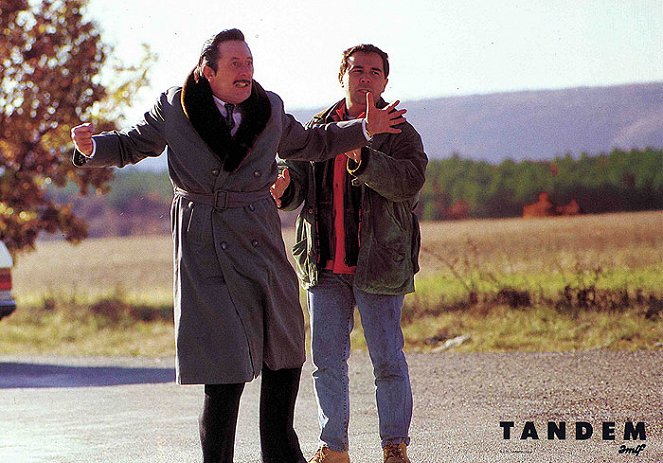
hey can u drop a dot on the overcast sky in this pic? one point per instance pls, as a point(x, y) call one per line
point(436, 47)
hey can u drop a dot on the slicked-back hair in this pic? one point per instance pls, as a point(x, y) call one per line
point(365, 48)
point(210, 52)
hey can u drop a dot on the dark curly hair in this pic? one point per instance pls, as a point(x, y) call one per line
point(365, 48)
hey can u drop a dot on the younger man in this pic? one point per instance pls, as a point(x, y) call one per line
point(357, 245)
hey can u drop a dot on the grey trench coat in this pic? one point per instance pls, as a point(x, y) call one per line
point(236, 299)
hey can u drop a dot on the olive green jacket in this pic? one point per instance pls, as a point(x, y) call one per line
point(390, 175)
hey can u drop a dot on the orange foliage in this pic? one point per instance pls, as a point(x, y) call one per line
point(459, 210)
point(545, 207)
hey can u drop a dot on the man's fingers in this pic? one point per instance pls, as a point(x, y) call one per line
point(396, 121)
point(279, 186)
point(84, 128)
point(355, 155)
point(383, 120)
point(370, 104)
point(393, 105)
point(83, 131)
point(81, 135)
point(275, 194)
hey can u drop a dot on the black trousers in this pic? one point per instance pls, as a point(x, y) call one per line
point(278, 441)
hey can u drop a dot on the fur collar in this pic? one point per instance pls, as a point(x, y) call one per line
point(203, 114)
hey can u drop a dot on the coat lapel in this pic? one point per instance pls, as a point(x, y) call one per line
point(200, 109)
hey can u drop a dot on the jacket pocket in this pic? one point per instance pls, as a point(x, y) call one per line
point(383, 269)
point(390, 231)
point(198, 221)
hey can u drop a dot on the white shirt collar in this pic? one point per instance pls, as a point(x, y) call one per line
point(237, 115)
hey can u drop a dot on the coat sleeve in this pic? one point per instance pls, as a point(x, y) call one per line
point(398, 171)
point(321, 142)
point(119, 148)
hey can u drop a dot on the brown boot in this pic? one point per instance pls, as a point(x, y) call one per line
point(395, 453)
point(327, 455)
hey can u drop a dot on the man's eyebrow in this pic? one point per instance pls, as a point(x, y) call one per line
point(355, 66)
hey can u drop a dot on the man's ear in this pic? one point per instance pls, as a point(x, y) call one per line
point(208, 72)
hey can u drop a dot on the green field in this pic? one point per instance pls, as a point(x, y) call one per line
point(545, 284)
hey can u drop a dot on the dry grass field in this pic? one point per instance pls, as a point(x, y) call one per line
point(616, 258)
point(542, 245)
point(139, 267)
point(610, 251)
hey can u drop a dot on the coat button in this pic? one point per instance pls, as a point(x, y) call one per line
point(254, 243)
point(257, 173)
point(224, 245)
point(215, 172)
point(252, 208)
point(310, 210)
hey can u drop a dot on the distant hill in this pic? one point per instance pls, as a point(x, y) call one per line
point(541, 124)
point(535, 125)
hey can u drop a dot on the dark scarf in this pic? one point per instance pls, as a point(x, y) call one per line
point(200, 109)
point(324, 181)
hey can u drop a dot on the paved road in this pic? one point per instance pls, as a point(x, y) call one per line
point(129, 410)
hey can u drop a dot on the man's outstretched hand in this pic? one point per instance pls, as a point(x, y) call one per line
point(81, 135)
point(383, 120)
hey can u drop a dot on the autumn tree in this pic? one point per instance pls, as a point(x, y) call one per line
point(51, 59)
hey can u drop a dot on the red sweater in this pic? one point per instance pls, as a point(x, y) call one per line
point(337, 262)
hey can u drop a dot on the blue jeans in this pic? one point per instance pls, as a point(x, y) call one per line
point(331, 305)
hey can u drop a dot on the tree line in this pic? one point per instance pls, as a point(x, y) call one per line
point(617, 181)
point(456, 188)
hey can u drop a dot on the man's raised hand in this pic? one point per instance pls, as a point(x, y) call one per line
point(383, 120)
point(81, 135)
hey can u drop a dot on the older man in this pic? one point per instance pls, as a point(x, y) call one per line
point(358, 242)
point(236, 300)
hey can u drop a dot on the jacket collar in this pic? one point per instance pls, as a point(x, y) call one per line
point(200, 109)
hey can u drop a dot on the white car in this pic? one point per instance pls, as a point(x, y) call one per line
point(7, 303)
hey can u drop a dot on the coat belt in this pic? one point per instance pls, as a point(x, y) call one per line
point(222, 199)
